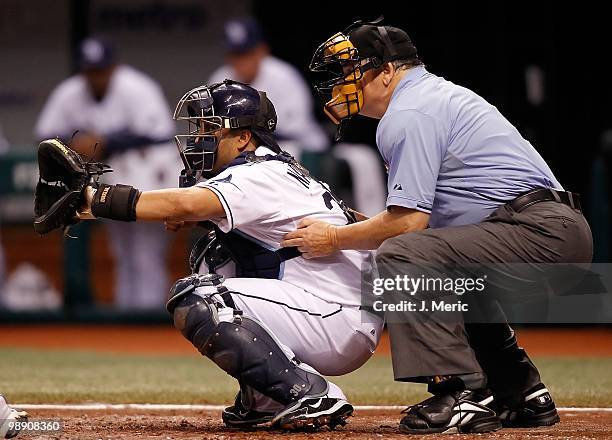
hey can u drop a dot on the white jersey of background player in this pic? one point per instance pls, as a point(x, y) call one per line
point(125, 111)
point(289, 319)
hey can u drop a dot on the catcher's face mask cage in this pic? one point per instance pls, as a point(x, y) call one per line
point(339, 59)
point(198, 147)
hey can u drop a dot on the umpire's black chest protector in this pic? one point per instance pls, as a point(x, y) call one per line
point(253, 259)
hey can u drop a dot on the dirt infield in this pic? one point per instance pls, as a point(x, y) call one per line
point(191, 424)
point(198, 425)
point(166, 340)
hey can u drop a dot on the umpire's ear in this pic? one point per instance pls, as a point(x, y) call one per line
point(387, 73)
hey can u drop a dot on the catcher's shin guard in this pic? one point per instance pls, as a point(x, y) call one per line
point(242, 347)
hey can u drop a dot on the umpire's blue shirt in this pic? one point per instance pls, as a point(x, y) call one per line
point(452, 154)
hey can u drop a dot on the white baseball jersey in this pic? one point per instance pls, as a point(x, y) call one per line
point(266, 200)
point(134, 103)
point(292, 101)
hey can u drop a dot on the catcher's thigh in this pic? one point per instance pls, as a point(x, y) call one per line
point(333, 339)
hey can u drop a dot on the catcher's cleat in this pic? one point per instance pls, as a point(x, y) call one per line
point(312, 413)
point(8, 415)
point(538, 409)
point(453, 412)
point(237, 416)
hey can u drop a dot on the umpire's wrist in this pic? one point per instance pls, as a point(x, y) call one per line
point(332, 237)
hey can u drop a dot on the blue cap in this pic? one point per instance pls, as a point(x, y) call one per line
point(242, 34)
point(95, 53)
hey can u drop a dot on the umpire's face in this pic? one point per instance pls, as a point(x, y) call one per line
point(378, 85)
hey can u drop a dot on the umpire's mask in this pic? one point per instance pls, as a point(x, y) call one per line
point(341, 61)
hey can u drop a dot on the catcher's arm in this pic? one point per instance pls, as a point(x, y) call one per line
point(164, 205)
point(68, 191)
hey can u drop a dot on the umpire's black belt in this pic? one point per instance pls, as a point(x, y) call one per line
point(546, 195)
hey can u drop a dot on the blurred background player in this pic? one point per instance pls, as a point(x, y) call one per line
point(248, 60)
point(121, 115)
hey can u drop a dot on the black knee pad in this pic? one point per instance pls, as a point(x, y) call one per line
point(187, 285)
point(196, 318)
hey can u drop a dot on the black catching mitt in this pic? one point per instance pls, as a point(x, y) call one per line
point(63, 176)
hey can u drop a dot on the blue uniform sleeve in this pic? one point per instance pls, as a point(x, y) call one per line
point(410, 143)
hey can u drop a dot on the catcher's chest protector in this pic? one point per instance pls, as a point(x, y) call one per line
point(252, 259)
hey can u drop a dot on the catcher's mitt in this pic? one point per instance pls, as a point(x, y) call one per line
point(63, 176)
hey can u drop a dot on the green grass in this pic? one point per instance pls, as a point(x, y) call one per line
point(71, 376)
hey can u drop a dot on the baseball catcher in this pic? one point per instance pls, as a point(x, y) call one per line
point(267, 316)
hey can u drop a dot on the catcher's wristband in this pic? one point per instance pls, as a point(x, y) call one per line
point(117, 202)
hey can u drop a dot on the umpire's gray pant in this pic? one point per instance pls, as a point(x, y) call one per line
point(546, 232)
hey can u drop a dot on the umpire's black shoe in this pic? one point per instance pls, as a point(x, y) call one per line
point(458, 411)
point(237, 416)
point(537, 409)
point(311, 413)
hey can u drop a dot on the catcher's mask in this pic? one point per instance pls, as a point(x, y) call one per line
point(210, 108)
point(347, 55)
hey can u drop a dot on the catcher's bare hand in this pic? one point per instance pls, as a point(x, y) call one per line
point(314, 238)
point(84, 212)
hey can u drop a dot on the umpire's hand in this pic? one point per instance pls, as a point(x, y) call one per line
point(313, 238)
